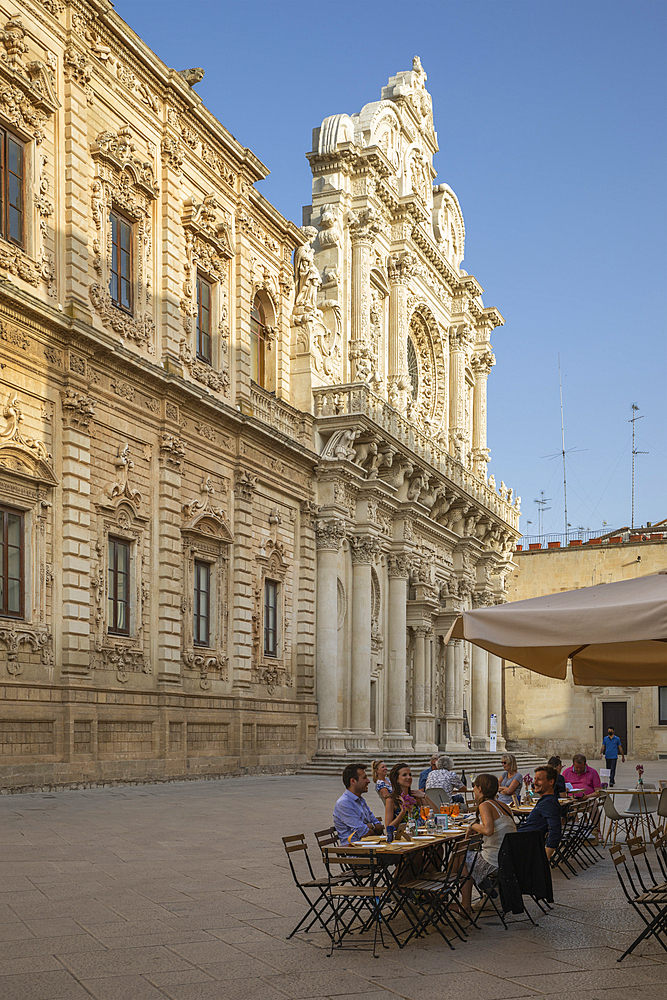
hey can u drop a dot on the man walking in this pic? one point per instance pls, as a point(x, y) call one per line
point(611, 747)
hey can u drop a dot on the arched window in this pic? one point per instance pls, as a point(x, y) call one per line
point(413, 369)
point(257, 343)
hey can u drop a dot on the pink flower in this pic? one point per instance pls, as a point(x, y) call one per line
point(408, 800)
point(527, 779)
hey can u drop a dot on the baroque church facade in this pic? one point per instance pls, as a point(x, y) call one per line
point(243, 478)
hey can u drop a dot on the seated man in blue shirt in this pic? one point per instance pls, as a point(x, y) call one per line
point(425, 773)
point(546, 814)
point(352, 817)
point(611, 747)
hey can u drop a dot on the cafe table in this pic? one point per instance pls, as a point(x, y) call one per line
point(403, 858)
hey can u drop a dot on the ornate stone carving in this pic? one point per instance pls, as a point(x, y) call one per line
point(78, 70)
point(246, 484)
point(364, 225)
point(364, 548)
point(27, 93)
point(14, 444)
point(329, 534)
point(172, 450)
point(217, 381)
point(125, 660)
point(172, 153)
point(195, 509)
point(39, 641)
point(217, 164)
point(398, 564)
point(309, 513)
point(122, 489)
point(78, 409)
point(125, 181)
point(307, 280)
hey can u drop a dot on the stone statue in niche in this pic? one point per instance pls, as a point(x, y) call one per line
point(307, 279)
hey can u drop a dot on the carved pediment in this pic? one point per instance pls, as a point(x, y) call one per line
point(117, 150)
point(28, 95)
point(203, 517)
point(201, 220)
point(22, 455)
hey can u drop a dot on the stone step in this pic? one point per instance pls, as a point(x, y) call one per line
point(474, 762)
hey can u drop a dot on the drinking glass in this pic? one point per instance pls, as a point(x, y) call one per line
point(455, 809)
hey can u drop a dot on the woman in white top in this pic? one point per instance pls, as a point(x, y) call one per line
point(494, 822)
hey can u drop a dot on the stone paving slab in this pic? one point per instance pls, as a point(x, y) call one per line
point(183, 891)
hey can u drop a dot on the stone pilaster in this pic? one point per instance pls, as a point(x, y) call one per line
point(422, 720)
point(244, 489)
point(173, 275)
point(453, 734)
point(396, 737)
point(168, 516)
point(305, 650)
point(496, 695)
point(363, 548)
point(329, 536)
point(479, 726)
point(77, 414)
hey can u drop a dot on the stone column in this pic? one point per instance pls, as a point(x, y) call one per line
point(395, 736)
point(496, 694)
point(458, 339)
point(363, 230)
point(422, 719)
point(399, 270)
point(479, 725)
point(329, 535)
point(453, 736)
point(362, 549)
point(482, 364)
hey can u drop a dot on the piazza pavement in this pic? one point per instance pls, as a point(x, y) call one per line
point(183, 891)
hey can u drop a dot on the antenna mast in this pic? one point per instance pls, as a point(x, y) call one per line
point(635, 409)
point(541, 510)
point(562, 434)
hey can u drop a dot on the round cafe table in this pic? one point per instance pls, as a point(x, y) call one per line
point(644, 815)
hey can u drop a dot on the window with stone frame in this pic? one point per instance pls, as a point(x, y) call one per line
point(271, 617)
point(204, 299)
point(12, 563)
point(118, 586)
point(202, 603)
point(12, 186)
point(206, 539)
point(121, 277)
point(258, 343)
point(27, 482)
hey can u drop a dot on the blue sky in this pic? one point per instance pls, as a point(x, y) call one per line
point(551, 122)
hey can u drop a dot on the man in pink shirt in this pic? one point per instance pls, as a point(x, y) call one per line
point(581, 776)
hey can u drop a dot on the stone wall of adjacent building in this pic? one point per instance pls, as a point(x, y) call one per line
point(549, 716)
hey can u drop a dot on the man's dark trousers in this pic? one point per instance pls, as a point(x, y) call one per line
point(611, 763)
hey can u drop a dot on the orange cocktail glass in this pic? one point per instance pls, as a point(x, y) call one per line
point(455, 809)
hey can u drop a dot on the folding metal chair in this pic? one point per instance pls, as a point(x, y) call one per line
point(650, 906)
point(435, 895)
point(296, 848)
point(356, 897)
point(645, 874)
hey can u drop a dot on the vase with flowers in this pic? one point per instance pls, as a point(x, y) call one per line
point(527, 785)
point(640, 777)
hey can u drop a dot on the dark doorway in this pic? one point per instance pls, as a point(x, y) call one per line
point(615, 713)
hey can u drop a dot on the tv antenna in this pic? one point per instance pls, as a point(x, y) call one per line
point(541, 510)
point(562, 453)
point(633, 420)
